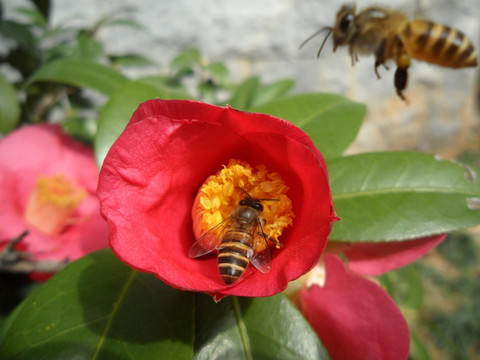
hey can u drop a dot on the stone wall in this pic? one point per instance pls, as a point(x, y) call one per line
point(262, 37)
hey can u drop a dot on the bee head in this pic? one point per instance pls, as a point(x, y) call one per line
point(344, 26)
point(252, 202)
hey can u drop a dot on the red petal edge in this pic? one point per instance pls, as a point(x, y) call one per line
point(379, 258)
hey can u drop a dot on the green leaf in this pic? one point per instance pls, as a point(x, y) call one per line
point(9, 106)
point(130, 60)
point(272, 91)
point(82, 73)
point(244, 94)
point(186, 59)
point(18, 32)
point(44, 6)
point(405, 286)
point(35, 15)
point(399, 196)
point(117, 112)
point(415, 291)
point(219, 71)
point(81, 128)
point(124, 22)
point(417, 350)
point(99, 308)
point(331, 121)
point(260, 328)
point(88, 47)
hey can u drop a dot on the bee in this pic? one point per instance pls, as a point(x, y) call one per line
point(390, 35)
point(240, 239)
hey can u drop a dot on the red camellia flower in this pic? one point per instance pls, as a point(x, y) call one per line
point(353, 316)
point(183, 167)
point(47, 186)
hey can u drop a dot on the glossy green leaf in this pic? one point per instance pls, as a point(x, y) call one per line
point(99, 308)
point(331, 121)
point(9, 106)
point(117, 112)
point(261, 328)
point(398, 196)
point(82, 73)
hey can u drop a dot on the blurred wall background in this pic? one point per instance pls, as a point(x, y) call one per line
point(262, 38)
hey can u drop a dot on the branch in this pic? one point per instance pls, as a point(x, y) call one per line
point(15, 261)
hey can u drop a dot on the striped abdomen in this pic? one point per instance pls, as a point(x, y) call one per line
point(234, 254)
point(439, 44)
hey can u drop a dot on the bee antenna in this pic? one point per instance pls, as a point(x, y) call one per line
point(330, 29)
point(245, 191)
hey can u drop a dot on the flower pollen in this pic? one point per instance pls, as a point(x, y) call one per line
point(221, 193)
point(52, 203)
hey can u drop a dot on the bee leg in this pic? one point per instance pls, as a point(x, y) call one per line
point(377, 64)
point(277, 242)
point(401, 75)
point(403, 63)
point(354, 57)
point(401, 79)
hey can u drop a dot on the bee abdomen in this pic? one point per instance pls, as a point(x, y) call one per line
point(232, 259)
point(439, 44)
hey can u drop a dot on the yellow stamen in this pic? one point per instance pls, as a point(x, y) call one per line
point(221, 193)
point(52, 203)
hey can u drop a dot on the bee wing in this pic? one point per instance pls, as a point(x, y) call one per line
point(261, 258)
point(210, 240)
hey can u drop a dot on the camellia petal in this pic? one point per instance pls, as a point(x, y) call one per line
point(44, 152)
point(378, 258)
point(354, 317)
point(153, 171)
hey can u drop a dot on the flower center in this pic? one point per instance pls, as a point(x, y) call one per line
point(221, 193)
point(52, 203)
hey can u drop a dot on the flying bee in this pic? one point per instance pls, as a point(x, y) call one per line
point(240, 239)
point(390, 35)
